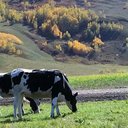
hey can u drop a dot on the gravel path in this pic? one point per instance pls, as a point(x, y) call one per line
point(103, 94)
point(90, 95)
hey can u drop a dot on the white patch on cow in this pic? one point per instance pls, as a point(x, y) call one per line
point(57, 78)
point(24, 80)
point(17, 71)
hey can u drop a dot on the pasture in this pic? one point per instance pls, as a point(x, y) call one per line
point(110, 114)
point(110, 80)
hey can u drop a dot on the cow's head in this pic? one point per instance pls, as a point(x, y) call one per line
point(72, 102)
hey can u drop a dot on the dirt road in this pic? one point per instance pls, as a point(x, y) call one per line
point(103, 94)
point(90, 95)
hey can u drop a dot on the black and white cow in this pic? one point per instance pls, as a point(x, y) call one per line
point(6, 90)
point(41, 84)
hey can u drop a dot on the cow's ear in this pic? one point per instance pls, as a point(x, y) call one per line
point(75, 94)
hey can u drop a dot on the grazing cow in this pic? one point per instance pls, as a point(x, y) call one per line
point(6, 90)
point(41, 84)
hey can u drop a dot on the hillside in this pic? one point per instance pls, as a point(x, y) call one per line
point(114, 10)
point(113, 52)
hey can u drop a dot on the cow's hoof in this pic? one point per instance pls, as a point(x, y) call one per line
point(37, 111)
point(52, 116)
point(58, 114)
point(15, 118)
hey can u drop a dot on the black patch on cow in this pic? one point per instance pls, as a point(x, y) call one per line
point(25, 76)
point(42, 80)
point(17, 79)
point(5, 83)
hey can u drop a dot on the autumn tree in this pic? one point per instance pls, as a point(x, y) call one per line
point(56, 32)
point(78, 48)
point(97, 43)
point(14, 16)
point(9, 43)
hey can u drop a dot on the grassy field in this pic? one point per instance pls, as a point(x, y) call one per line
point(99, 81)
point(111, 114)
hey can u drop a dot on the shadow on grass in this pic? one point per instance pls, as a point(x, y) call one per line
point(11, 115)
point(14, 120)
point(66, 114)
point(11, 120)
point(59, 116)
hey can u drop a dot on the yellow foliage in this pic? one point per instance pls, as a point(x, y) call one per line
point(79, 48)
point(30, 16)
point(58, 47)
point(97, 41)
point(56, 32)
point(8, 43)
point(70, 44)
point(14, 15)
point(10, 38)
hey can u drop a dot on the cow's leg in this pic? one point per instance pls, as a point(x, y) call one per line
point(57, 110)
point(22, 109)
point(15, 106)
point(54, 104)
point(20, 101)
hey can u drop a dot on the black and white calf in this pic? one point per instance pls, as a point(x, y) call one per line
point(7, 91)
point(42, 84)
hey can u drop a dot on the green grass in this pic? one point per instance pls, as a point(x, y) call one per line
point(99, 81)
point(110, 114)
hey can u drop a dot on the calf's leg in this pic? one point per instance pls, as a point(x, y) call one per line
point(34, 105)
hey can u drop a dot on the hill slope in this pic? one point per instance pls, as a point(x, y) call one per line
point(34, 58)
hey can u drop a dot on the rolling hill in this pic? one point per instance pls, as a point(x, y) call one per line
point(111, 56)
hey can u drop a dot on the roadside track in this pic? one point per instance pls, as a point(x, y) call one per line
point(89, 95)
point(103, 94)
